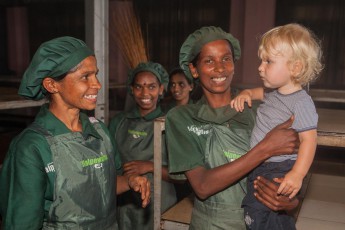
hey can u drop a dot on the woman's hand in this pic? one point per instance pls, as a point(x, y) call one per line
point(142, 185)
point(137, 167)
point(280, 140)
point(266, 193)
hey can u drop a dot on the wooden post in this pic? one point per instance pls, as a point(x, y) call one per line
point(157, 175)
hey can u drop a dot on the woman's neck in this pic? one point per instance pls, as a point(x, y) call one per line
point(218, 100)
point(70, 117)
point(184, 101)
point(144, 112)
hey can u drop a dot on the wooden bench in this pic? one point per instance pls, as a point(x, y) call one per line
point(9, 99)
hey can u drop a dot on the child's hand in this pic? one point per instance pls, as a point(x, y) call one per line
point(238, 102)
point(291, 184)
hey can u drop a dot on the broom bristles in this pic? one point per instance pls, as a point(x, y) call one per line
point(128, 35)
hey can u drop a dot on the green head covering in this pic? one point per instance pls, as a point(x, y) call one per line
point(195, 41)
point(155, 68)
point(52, 59)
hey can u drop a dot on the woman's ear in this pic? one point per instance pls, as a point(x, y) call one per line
point(161, 90)
point(50, 85)
point(193, 70)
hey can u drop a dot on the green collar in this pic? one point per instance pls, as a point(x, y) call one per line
point(221, 115)
point(56, 127)
point(151, 116)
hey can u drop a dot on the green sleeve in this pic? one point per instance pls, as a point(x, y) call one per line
point(113, 125)
point(118, 163)
point(23, 182)
point(185, 148)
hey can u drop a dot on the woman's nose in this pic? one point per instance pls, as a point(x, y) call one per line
point(144, 91)
point(219, 66)
point(95, 83)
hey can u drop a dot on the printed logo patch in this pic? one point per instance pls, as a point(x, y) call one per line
point(248, 220)
point(49, 167)
point(136, 134)
point(198, 130)
point(231, 155)
point(97, 162)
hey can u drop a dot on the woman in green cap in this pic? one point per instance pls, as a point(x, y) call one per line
point(61, 171)
point(133, 135)
point(208, 142)
point(180, 88)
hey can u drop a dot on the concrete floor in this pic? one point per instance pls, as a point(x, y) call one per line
point(323, 206)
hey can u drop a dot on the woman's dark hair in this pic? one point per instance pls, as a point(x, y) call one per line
point(178, 70)
point(61, 77)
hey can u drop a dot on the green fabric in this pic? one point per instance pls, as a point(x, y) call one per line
point(198, 135)
point(80, 164)
point(195, 41)
point(187, 130)
point(171, 104)
point(215, 215)
point(155, 68)
point(27, 179)
point(52, 59)
point(137, 134)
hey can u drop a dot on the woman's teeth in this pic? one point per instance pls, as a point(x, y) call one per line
point(146, 100)
point(91, 96)
point(218, 79)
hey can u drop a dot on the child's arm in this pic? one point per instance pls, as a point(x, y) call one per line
point(292, 182)
point(247, 95)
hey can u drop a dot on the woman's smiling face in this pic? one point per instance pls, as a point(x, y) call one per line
point(215, 67)
point(146, 91)
point(179, 87)
point(79, 88)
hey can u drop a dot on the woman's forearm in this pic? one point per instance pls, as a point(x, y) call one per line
point(121, 184)
point(206, 182)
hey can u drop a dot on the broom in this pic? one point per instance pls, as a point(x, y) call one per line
point(127, 34)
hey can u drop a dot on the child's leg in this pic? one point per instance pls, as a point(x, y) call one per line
point(256, 219)
point(280, 221)
point(254, 210)
point(257, 215)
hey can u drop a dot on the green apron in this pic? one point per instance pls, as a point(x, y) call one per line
point(227, 141)
point(137, 133)
point(85, 184)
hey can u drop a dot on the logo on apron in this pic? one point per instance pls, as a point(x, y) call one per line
point(136, 134)
point(96, 162)
point(49, 167)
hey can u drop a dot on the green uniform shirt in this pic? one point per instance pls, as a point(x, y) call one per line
point(132, 126)
point(27, 177)
point(198, 135)
point(133, 136)
point(171, 104)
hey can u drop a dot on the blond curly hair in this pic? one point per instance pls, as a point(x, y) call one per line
point(303, 45)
